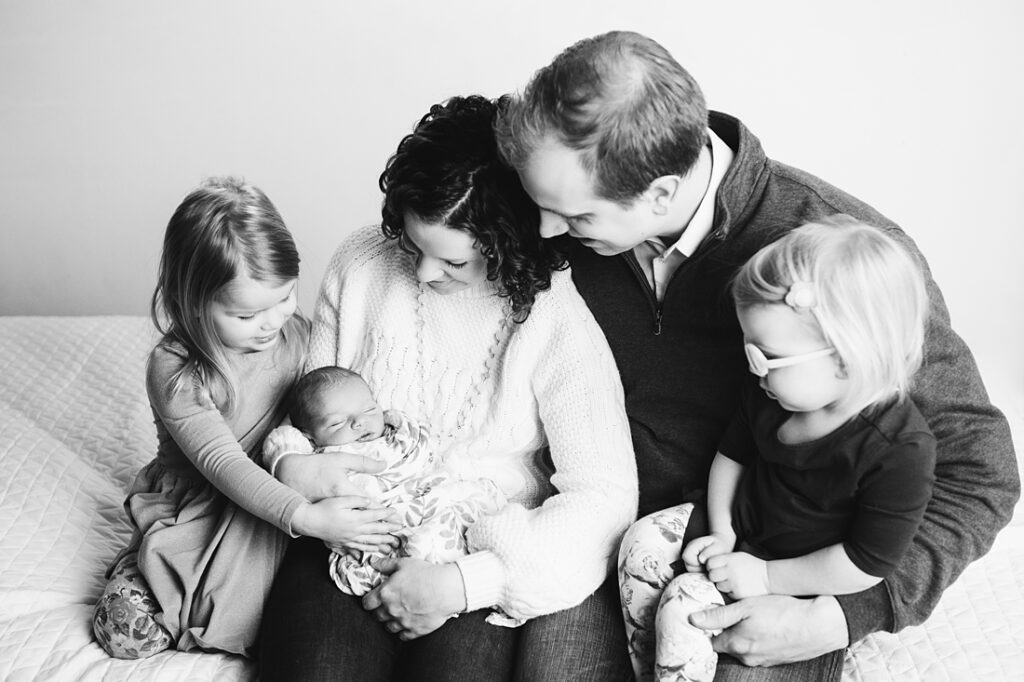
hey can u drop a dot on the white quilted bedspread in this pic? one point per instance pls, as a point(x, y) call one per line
point(75, 427)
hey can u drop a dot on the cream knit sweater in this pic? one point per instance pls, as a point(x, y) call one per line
point(551, 382)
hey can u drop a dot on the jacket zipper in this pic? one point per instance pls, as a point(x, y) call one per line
point(656, 308)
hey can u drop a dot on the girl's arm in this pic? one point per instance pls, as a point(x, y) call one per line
point(826, 571)
point(894, 486)
point(199, 432)
point(723, 481)
point(205, 439)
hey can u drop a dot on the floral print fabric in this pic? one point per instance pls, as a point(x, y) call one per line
point(658, 596)
point(124, 620)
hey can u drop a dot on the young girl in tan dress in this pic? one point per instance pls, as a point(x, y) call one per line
point(210, 523)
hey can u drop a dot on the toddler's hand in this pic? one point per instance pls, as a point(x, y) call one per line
point(738, 574)
point(698, 551)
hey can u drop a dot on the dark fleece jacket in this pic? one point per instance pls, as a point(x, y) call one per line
point(682, 361)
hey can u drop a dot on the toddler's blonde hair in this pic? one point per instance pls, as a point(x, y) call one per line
point(870, 300)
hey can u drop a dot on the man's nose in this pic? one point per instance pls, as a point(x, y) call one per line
point(552, 225)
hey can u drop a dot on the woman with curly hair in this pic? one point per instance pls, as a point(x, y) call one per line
point(457, 313)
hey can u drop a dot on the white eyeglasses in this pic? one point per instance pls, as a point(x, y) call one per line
point(760, 365)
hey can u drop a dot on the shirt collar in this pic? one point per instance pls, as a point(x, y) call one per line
point(703, 219)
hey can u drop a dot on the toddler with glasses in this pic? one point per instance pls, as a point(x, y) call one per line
point(823, 477)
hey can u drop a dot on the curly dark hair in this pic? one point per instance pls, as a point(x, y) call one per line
point(448, 171)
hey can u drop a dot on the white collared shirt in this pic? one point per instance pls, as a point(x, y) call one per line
point(659, 261)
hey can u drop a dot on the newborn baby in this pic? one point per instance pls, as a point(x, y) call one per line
point(333, 410)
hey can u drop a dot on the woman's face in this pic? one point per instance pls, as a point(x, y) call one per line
point(447, 259)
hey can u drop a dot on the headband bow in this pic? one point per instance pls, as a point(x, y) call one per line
point(801, 295)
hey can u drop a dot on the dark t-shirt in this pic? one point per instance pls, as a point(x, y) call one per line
point(865, 485)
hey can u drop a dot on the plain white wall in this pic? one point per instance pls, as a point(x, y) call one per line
point(111, 111)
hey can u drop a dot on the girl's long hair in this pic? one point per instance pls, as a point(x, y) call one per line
point(223, 229)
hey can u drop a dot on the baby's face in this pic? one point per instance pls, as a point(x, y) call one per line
point(345, 414)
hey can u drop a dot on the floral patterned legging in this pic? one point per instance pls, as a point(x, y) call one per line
point(124, 621)
point(657, 596)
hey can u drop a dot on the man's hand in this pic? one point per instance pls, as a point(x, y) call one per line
point(417, 598)
point(320, 475)
point(738, 574)
point(774, 629)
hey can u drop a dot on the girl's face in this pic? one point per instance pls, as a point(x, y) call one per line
point(778, 331)
point(248, 315)
point(447, 259)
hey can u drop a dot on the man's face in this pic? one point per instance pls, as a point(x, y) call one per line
point(564, 191)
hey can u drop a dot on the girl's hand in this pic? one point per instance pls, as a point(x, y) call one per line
point(417, 598)
point(698, 551)
point(320, 475)
point(348, 521)
point(738, 574)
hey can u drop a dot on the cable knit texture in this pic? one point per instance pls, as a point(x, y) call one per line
point(552, 383)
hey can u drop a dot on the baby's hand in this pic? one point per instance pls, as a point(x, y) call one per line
point(738, 574)
point(697, 552)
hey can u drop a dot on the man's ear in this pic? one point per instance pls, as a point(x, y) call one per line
point(662, 192)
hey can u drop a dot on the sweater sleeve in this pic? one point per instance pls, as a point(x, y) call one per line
point(976, 483)
point(206, 440)
point(323, 338)
point(339, 321)
point(531, 562)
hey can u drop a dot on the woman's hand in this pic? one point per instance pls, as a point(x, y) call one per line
point(320, 475)
point(417, 597)
point(348, 521)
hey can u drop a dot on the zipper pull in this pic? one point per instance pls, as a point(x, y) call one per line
point(657, 322)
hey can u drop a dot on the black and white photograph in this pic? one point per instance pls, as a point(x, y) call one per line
point(473, 341)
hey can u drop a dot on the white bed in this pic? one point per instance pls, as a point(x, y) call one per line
point(75, 426)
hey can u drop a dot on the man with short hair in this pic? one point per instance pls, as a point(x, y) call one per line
point(664, 201)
